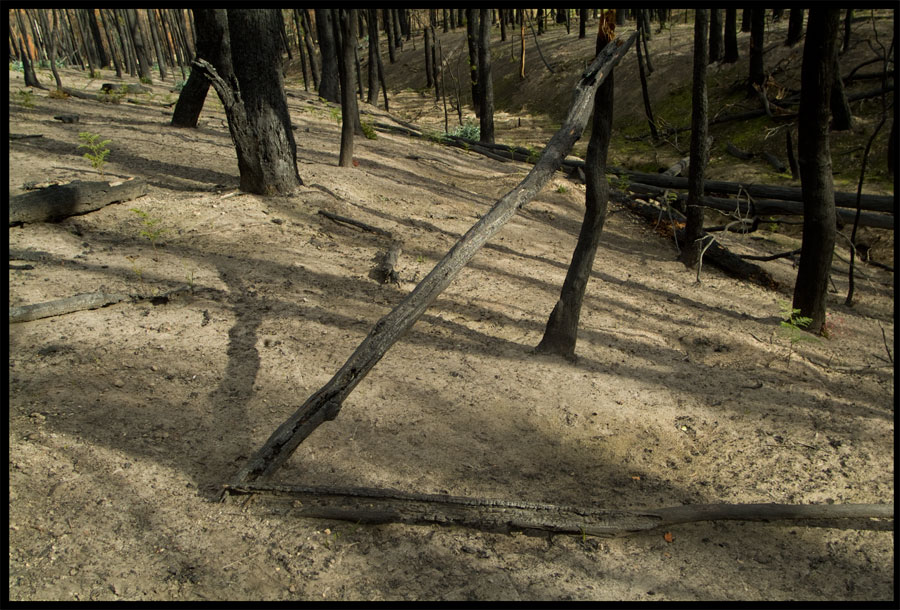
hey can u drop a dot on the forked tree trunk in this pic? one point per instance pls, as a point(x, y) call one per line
point(817, 247)
point(252, 92)
point(561, 332)
point(693, 229)
point(212, 45)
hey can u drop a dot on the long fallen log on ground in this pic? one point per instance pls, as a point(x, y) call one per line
point(367, 505)
point(874, 203)
point(82, 302)
point(770, 207)
point(325, 403)
point(63, 200)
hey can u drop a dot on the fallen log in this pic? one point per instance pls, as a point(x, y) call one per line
point(368, 505)
point(716, 254)
point(86, 301)
point(325, 403)
point(769, 207)
point(355, 223)
point(775, 162)
point(874, 203)
point(734, 151)
point(79, 302)
point(63, 200)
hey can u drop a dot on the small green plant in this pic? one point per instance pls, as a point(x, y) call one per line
point(138, 271)
point(437, 137)
point(533, 154)
point(369, 131)
point(620, 183)
point(98, 150)
point(470, 130)
point(562, 189)
point(146, 80)
point(336, 114)
point(26, 97)
point(16, 65)
point(152, 234)
point(795, 327)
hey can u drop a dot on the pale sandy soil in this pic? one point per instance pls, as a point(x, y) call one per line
point(125, 421)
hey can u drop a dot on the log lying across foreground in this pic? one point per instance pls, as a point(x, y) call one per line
point(326, 402)
point(86, 301)
point(365, 505)
point(63, 200)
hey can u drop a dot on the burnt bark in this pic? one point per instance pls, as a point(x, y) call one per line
point(731, 45)
point(486, 83)
point(817, 247)
point(757, 78)
point(690, 253)
point(561, 332)
point(472, 35)
point(645, 94)
point(252, 91)
point(329, 79)
point(60, 201)
point(795, 27)
point(716, 41)
point(349, 107)
point(372, 23)
point(214, 46)
point(140, 47)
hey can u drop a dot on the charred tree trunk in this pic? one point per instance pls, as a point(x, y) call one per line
point(140, 47)
point(214, 46)
point(795, 27)
point(310, 47)
point(429, 67)
point(731, 45)
point(848, 20)
point(841, 117)
point(486, 88)
point(693, 229)
point(817, 248)
point(252, 92)
point(716, 42)
point(372, 19)
point(645, 94)
point(388, 15)
point(561, 332)
point(349, 108)
point(472, 35)
point(109, 39)
point(329, 86)
point(757, 79)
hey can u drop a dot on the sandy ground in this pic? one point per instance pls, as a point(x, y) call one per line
point(126, 420)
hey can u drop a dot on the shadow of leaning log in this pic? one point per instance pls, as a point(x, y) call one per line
point(228, 425)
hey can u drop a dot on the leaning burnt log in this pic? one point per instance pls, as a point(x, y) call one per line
point(325, 404)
